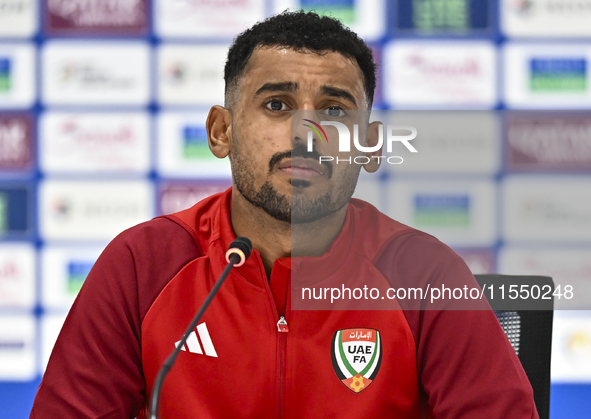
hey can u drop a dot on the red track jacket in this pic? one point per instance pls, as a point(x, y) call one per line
point(252, 356)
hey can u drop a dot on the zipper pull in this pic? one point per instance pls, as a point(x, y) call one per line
point(282, 325)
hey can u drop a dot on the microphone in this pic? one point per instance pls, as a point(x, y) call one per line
point(236, 255)
point(241, 247)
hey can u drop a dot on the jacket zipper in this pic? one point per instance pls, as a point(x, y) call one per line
point(282, 329)
point(282, 325)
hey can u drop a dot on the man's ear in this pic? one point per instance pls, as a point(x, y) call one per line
point(373, 135)
point(219, 131)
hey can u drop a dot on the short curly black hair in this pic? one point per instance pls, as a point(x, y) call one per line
point(299, 30)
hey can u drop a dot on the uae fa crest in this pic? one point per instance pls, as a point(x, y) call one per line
point(356, 357)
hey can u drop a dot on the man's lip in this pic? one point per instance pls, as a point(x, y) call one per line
point(301, 168)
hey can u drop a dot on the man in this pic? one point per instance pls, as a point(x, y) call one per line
point(252, 356)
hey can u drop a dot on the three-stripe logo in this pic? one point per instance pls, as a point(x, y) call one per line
point(193, 344)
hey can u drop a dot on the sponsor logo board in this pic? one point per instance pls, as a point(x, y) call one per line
point(18, 18)
point(92, 210)
point(204, 18)
point(449, 17)
point(459, 213)
point(546, 18)
point(451, 141)
point(17, 347)
point(548, 141)
point(96, 73)
point(17, 75)
point(571, 347)
point(82, 17)
point(51, 325)
point(191, 74)
point(183, 150)
point(16, 141)
point(546, 208)
point(177, 196)
point(454, 73)
point(17, 275)
point(366, 18)
point(566, 266)
point(95, 142)
point(64, 270)
point(15, 211)
point(547, 76)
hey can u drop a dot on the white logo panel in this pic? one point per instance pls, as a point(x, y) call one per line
point(17, 75)
point(459, 213)
point(366, 18)
point(546, 18)
point(51, 325)
point(18, 18)
point(96, 73)
point(189, 18)
point(547, 209)
point(566, 266)
point(191, 74)
point(458, 74)
point(17, 347)
point(451, 142)
point(176, 196)
point(95, 142)
point(64, 270)
point(92, 210)
point(183, 150)
point(547, 76)
point(571, 347)
point(17, 275)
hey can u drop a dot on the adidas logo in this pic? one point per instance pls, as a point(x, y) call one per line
point(193, 344)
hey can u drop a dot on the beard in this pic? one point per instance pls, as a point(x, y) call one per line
point(299, 207)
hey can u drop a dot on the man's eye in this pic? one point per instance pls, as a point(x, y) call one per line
point(335, 111)
point(276, 105)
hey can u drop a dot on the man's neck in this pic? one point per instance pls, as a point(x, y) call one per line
point(276, 239)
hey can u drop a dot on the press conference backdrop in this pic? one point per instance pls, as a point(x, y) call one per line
point(102, 111)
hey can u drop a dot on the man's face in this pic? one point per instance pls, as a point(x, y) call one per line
point(270, 165)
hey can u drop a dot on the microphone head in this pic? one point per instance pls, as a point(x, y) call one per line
point(241, 247)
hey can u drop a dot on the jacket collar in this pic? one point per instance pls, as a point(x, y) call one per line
point(365, 232)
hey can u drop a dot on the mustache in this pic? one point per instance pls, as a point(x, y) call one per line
point(299, 150)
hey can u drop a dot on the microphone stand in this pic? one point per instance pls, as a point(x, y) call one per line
point(233, 260)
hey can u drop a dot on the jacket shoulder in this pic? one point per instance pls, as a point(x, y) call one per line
point(373, 231)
